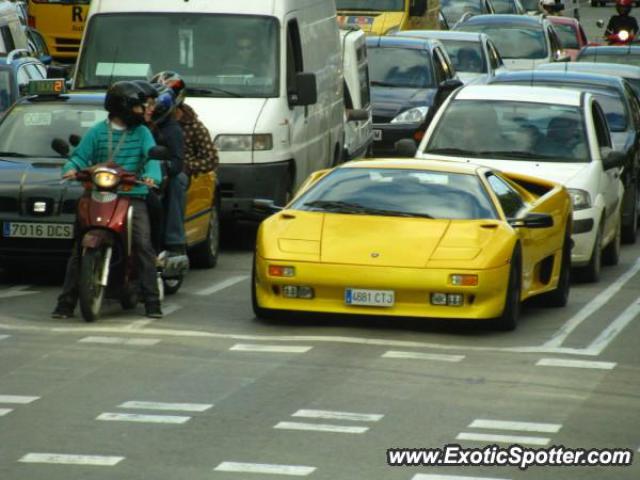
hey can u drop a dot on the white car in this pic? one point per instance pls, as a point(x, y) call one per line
point(474, 55)
point(560, 135)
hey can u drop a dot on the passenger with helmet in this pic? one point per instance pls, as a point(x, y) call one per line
point(551, 7)
point(124, 139)
point(622, 21)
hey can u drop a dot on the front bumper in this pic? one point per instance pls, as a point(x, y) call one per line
point(585, 227)
point(391, 133)
point(30, 250)
point(412, 287)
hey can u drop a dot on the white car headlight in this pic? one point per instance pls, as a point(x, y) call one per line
point(580, 199)
point(413, 115)
point(244, 143)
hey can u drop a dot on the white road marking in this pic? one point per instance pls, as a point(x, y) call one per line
point(326, 414)
point(292, 470)
point(178, 407)
point(5, 411)
point(136, 417)
point(135, 322)
point(21, 399)
point(60, 458)
point(17, 291)
point(135, 342)
point(482, 437)
point(243, 347)
point(565, 362)
point(516, 426)
point(216, 287)
point(318, 427)
point(614, 329)
point(429, 476)
point(590, 308)
point(423, 356)
point(4, 337)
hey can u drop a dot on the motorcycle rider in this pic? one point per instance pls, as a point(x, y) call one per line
point(622, 21)
point(124, 139)
point(551, 7)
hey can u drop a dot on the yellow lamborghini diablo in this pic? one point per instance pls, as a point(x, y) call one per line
point(415, 238)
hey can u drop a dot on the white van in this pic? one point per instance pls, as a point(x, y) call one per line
point(358, 127)
point(265, 76)
point(12, 34)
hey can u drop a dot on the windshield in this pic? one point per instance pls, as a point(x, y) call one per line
point(29, 129)
point(400, 67)
point(504, 6)
point(454, 9)
point(371, 5)
point(220, 55)
point(399, 192)
point(596, 56)
point(568, 35)
point(513, 42)
point(531, 5)
point(511, 130)
point(466, 56)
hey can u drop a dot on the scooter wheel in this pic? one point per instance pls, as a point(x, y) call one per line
point(172, 285)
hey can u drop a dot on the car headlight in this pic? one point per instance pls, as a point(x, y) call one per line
point(413, 115)
point(105, 178)
point(244, 143)
point(580, 199)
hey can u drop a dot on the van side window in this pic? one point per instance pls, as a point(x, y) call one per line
point(294, 55)
point(7, 39)
point(363, 77)
point(348, 101)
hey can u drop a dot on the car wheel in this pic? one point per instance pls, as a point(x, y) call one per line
point(205, 255)
point(259, 312)
point(630, 232)
point(591, 273)
point(509, 318)
point(611, 253)
point(560, 296)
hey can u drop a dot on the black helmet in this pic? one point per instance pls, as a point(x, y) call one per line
point(121, 98)
point(147, 88)
point(174, 81)
point(165, 103)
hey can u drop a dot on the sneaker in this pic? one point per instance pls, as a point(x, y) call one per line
point(62, 310)
point(153, 310)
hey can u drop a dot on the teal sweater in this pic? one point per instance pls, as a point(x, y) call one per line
point(132, 154)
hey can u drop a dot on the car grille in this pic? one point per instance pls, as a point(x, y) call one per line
point(8, 204)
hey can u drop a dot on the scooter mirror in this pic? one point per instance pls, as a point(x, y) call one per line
point(60, 147)
point(159, 153)
point(600, 23)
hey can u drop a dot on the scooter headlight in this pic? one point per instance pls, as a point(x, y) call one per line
point(623, 35)
point(105, 178)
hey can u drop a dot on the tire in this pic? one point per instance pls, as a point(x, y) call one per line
point(172, 285)
point(560, 296)
point(129, 298)
point(259, 312)
point(630, 232)
point(591, 273)
point(611, 253)
point(91, 293)
point(205, 255)
point(511, 313)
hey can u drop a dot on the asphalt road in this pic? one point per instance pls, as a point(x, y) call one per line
point(209, 392)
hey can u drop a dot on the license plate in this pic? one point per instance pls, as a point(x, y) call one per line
point(36, 230)
point(377, 135)
point(369, 298)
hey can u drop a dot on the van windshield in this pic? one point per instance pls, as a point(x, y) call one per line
point(371, 5)
point(216, 55)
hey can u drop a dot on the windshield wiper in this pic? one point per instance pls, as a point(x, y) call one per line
point(519, 154)
point(376, 83)
point(13, 155)
point(453, 151)
point(347, 207)
point(212, 91)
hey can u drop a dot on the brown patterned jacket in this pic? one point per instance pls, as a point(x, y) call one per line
point(201, 156)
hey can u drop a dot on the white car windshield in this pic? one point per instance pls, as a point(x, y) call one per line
point(511, 130)
point(453, 10)
point(466, 56)
point(512, 41)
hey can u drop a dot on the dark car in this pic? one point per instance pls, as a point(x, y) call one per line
point(622, 109)
point(37, 210)
point(627, 54)
point(17, 69)
point(409, 79)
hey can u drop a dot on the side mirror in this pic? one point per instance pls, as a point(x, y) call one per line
point(357, 115)
point(450, 85)
point(406, 147)
point(613, 159)
point(600, 23)
point(60, 147)
point(54, 71)
point(158, 153)
point(306, 92)
point(74, 139)
point(418, 8)
point(265, 206)
point(532, 220)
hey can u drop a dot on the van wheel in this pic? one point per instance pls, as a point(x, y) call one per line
point(591, 273)
point(511, 313)
point(205, 255)
point(611, 254)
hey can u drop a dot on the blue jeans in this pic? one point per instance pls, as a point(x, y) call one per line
point(175, 204)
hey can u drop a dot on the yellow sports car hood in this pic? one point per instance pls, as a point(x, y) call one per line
point(384, 241)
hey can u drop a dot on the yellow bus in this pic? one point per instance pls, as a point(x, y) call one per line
point(381, 17)
point(61, 23)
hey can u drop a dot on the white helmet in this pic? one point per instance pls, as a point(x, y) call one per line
point(547, 3)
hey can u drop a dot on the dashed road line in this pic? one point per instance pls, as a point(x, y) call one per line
point(422, 356)
point(134, 342)
point(510, 439)
point(5, 411)
point(429, 476)
point(17, 291)
point(21, 399)
point(266, 468)
point(4, 337)
point(318, 427)
point(178, 407)
point(613, 330)
point(65, 459)
point(243, 347)
point(216, 287)
point(516, 426)
point(565, 362)
point(139, 418)
point(331, 415)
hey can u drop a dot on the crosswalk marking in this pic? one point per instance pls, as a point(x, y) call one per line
point(428, 476)
point(272, 469)
point(326, 414)
point(21, 399)
point(482, 437)
point(565, 362)
point(216, 287)
point(516, 426)
point(139, 418)
point(65, 459)
point(135, 342)
point(5, 411)
point(423, 356)
point(242, 347)
point(179, 407)
point(4, 337)
point(317, 427)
